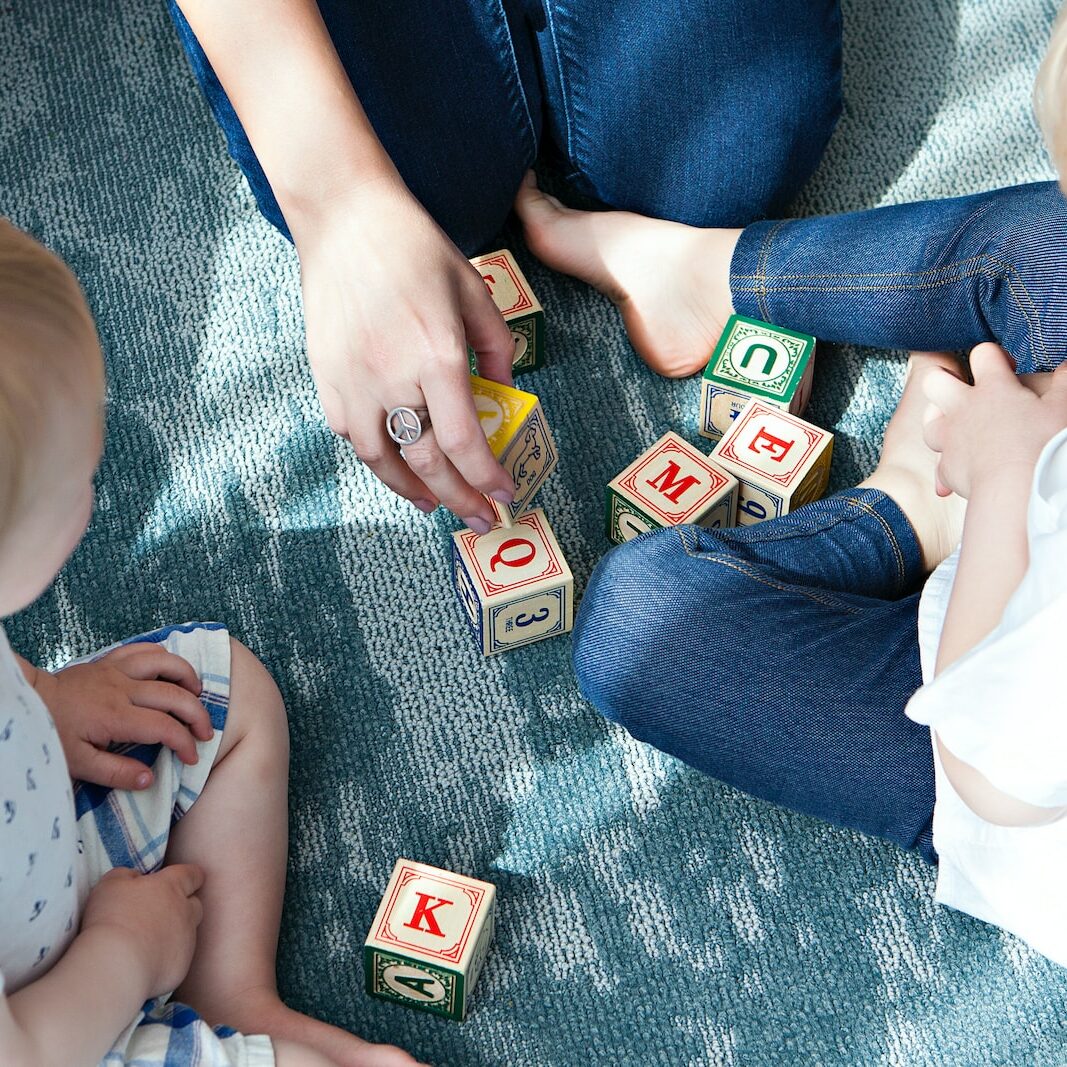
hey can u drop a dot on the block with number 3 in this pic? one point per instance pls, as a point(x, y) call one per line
point(781, 461)
point(513, 583)
point(522, 311)
point(514, 424)
point(669, 484)
point(754, 359)
point(429, 939)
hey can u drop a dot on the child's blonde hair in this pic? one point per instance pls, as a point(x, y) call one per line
point(1050, 96)
point(44, 319)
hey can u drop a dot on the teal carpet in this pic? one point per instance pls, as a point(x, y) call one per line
point(647, 916)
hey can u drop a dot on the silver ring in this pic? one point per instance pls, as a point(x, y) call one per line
point(405, 425)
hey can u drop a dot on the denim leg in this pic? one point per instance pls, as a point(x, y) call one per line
point(711, 113)
point(940, 274)
point(455, 100)
point(777, 658)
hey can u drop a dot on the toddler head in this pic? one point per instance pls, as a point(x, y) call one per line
point(1050, 96)
point(51, 416)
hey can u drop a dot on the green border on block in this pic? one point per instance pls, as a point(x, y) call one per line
point(800, 361)
point(616, 503)
point(532, 327)
point(375, 960)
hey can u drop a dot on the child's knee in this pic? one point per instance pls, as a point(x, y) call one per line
point(256, 704)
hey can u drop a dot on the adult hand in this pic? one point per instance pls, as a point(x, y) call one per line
point(994, 429)
point(137, 693)
point(390, 305)
point(156, 915)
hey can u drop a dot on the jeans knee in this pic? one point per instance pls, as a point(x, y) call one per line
point(644, 621)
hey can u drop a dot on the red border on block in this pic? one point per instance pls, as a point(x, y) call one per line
point(629, 482)
point(525, 303)
point(727, 451)
point(490, 587)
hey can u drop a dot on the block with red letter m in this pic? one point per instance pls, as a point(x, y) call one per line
point(429, 939)
point(670, 484)
point(522, 311)
point(513, 583)
point(780, 460)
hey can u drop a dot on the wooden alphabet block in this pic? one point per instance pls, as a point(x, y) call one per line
point(429, 939)
point(521, 309)
point(513, 582)
point(668, 485)
point(754, 359)
point(781, 461)
point(515, 427)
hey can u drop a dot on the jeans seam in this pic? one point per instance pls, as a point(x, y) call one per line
point(761, 268)
point(898, 552)
point(518, 90)
point(965, 268)
point(564, 92)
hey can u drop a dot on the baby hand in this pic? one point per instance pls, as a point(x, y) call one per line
point(138, 693)
point(156, 914)
point(995, 428)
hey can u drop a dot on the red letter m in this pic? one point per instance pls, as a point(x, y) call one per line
point(670, 485)
point(425, 910)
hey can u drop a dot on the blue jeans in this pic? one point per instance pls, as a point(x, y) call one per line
point(712, 113)
point(939, 274)
point(777, 658)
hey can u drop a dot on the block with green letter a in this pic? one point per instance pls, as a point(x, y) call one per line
point(513, 583)
point(429, 939)
point(754, 359)
point(669, 484)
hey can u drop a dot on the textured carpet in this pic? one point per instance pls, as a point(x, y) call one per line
point(648, 916)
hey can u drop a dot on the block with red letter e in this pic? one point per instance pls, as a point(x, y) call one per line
point(430, 938)
point(754, 359)
point(670, 484)
point(513, 583)
point(515, 427)
point(522, 311)
point(781, 461)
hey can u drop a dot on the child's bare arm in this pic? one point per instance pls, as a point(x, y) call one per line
point(990, 436)
point(137, 939)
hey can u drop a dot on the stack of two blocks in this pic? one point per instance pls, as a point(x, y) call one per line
point(767, 460)
point(513, 582)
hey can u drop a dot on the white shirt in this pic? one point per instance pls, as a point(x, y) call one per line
point(1002, 708)
point(39, 868)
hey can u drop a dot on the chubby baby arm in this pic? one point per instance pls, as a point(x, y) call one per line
point(989, 436)
point(137, 939)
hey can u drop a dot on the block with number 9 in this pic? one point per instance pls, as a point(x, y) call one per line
point(513, 583)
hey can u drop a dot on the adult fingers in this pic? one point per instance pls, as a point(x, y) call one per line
point(934, 428)
point(944, 389)
point(378, 452)
point(458, 429)
point(989, 362)
point(487, 333)
point(113, 771)
point(428, 460)
point(142, 661)
point(163, 696)
point(144, 726)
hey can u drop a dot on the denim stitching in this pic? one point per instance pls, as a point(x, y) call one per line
point(761, 267)
point(518, 90)
point(898, 553)
point(965, 268)
point(563, 90)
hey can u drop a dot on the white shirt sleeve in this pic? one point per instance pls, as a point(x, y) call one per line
point(1002, 707)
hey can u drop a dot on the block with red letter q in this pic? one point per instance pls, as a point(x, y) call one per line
point(429, 939)
point(513, 583)
point(780, 460)
point(669, 484)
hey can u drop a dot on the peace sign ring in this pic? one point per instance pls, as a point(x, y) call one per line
point(405, 425)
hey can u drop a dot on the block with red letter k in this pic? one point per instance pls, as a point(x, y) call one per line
point(429, 939)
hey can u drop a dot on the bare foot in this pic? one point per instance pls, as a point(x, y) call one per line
point(260, 1011)
point(905, 471)
point(671, 282)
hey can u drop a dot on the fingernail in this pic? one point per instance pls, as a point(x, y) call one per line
point(424, 505)
point(477, 524)
point(143, 780)
point(503, 496)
